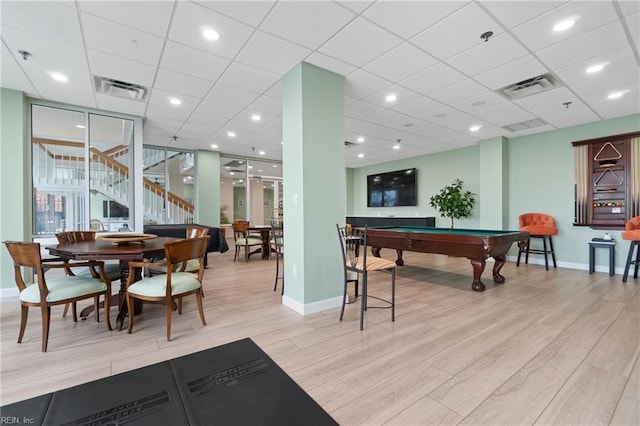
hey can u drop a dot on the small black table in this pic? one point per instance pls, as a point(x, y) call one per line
point(602, 243)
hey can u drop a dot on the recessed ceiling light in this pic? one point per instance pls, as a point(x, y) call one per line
point(210, 34)
point(59, 77)
point(616, 95)
point(80, 126)
point(391, 97)
point(232, 173)
point(596, 68)
point(275, 166)
point(256, 117)
point(214, 146)
point(260, 171)
point(360, 139)
point(475, 128)
point(564, 25)
point(175, 101)
point(250, 166)
point(396, 146)
point(262, 153)
point(231, 134)
point(361, 155)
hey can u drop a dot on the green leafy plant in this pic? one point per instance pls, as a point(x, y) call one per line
point(453, 201)
point(223, 214)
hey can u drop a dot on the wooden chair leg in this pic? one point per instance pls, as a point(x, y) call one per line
point(46, 320)
point(168, 311)
point(96, 307)
point(74, 311)
point(66, 310)
point(23, 321)
point(200, 309)
point(130, 313)
point(107, 308)
point(180, 306)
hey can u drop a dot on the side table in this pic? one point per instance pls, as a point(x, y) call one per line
point(602, 243)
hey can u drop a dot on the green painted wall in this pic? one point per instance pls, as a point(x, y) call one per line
point(494, 183)
point(537, 175)
point(314, 200)
point(207, 203)
point(15, 211)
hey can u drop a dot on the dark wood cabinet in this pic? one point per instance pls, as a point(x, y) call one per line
point(607, 179)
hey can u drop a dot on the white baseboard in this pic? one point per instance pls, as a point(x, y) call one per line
point(311, 308)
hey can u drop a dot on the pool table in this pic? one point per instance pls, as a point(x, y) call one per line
point(476, 245)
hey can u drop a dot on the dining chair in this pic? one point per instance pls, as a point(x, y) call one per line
point(242, 239)
point(175, 284)
point(55, 291)
point(97, 225)
point(112, 270)
point(355, 260)
point(632, 233)
point(276, 245)
point(192, 265)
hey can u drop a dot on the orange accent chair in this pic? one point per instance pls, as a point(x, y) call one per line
point(632, 233)
point(538, 225)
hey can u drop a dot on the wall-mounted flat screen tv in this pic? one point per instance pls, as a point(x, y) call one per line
point(392, 189)
point(113, 209)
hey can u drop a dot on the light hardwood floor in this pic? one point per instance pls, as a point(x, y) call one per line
point(547, 347)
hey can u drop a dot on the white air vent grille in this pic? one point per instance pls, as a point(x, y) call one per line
point(529, 87)
point(525, 125)
point(121, 89)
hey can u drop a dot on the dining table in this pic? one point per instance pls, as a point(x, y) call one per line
point(106, 250)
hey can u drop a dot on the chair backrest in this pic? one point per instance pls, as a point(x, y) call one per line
point(536, 219)
point(197, 232)
point(179, 252)
point(354, 257)
point(96, 225)
point(26, 255)
point(240, 229)
point(277, 235)
point(73, 236)
point(632, 224)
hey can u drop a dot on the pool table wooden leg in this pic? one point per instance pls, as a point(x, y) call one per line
point(399, 261)
point(500, 261)
point(478, 269)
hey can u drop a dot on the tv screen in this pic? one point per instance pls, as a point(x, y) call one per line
point(392, 189)
point(113, 209)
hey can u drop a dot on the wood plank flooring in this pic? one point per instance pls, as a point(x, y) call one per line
point(547, 347)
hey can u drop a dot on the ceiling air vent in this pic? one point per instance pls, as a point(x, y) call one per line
point(529, 87)
point(121, 89)
point(525, 125)
point(348, 144)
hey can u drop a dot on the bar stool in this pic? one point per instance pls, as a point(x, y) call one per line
point(632, 233)
point(538, 225)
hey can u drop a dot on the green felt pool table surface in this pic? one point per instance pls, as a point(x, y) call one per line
point(474, 244)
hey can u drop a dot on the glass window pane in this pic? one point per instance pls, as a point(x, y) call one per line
point(110, 164)
point(58, 167)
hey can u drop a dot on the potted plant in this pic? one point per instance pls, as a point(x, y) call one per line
point(453, 201)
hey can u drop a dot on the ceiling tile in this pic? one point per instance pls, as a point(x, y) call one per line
point(513, 72)
point(231, 96)
point(218, 109)
point(484, 100)
point(117, 68)
point(357, 6)
point(633, 23)
point(359, 43)
point(526, 10)
point(607, 38)
point(461, 30)
point(135, 14)
point(497, 51)
point(504, 114)
point(267, 104)
point(249, 78)
point(361, 84)
point(191, 19)
point(432, 79)
point(306, 23)
point(549, 106)
point(400, 62)
point(330, 64)
point(418, 106)
point(258, 52)
point(611, 108)
point(181, 83)
point(538, 33)
point(249, 12)
point(362, 110)
point(186, 60)
point(122, 41)
point(402, 94)
point(114, 103)
point(407, 18)
point(11, 75)
point(45, 19)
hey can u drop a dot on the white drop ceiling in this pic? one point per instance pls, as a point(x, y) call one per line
point(429, 53)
